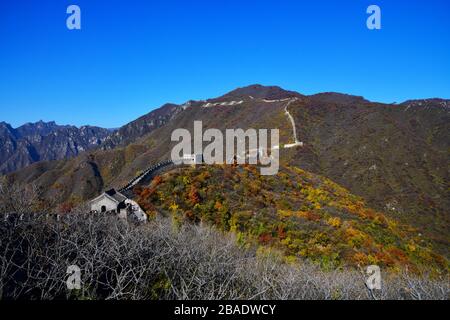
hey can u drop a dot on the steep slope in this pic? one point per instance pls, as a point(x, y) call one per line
point(141, 126)
point(396, 157)
point(302, 214)
point(8, 141)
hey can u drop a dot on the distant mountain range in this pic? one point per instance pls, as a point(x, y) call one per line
point(32, 142)
point(395, 156)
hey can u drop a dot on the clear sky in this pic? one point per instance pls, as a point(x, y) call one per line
point(132, 56)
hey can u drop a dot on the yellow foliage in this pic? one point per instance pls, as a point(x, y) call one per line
point(354, 236)
point(284, 213)
point(334, 222)
point(286, 241)
point(350, 232)
point(174, 207)
point(303, 252)
point(186, 180)
point(411, 247)
point(290, 259)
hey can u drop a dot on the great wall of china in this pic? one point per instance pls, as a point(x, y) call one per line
point(167, 163)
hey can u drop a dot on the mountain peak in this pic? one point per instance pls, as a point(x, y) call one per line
point(6, 127)
point(40, 127)
point(261, 92)
point(5, 124)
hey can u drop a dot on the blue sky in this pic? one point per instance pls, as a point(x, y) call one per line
point(132, 56)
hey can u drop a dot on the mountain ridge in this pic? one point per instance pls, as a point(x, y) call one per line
point(393, 155)
point(32, 142)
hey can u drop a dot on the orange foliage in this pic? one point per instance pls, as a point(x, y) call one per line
point(369, 213)
point(146, 193)
point(193, 196)
point(265, 238)
point(218, 206)
point(355, 208)
point(281, 232)
point(397, 255)
point(309, 215)
point(384, 258)
point(360, 258)
point(157, 180)
point(351, 232)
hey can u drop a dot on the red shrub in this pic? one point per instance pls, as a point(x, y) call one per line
point(265, 238)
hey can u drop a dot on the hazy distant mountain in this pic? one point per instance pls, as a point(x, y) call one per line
point(32, 142)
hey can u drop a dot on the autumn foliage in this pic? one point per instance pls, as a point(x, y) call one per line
point(296, 212)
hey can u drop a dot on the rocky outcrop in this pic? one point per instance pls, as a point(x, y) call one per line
point(32, 142)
